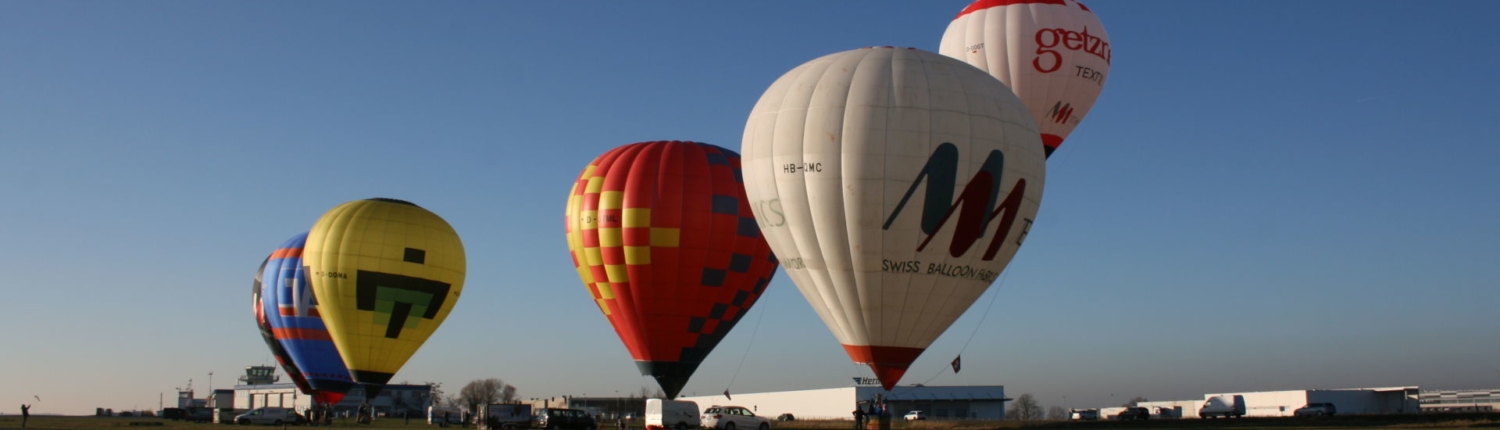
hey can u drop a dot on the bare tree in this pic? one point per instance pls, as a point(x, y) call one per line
point(485, 391)
point(1025, 408)
point(508, 394)
point(646, 392)
point(436, 393)
point(1134, 401)
point(1057, 413)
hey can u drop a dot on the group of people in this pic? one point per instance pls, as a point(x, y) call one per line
point(862, 418)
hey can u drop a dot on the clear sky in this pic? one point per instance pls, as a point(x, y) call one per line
point(1268, 195)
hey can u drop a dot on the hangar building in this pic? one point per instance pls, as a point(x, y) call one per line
point(939, 402)
point(1387, 400)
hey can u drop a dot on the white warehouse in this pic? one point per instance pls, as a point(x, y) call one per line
point(943, 402)
point(1387, 400)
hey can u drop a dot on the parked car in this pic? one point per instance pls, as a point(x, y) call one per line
point(1084, 414)
point(276, 416)
point(733, 417)
point(1315, 410)
point(786, 417)
point(564, 419)
point(198, 415)
point(915, 416)
point(1133, 413)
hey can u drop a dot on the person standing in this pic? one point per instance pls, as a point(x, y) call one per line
point(859, 418)
point(25, 414)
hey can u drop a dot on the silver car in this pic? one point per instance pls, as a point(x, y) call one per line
point(733, 417)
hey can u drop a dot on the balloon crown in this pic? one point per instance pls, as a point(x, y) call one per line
point(390, 200)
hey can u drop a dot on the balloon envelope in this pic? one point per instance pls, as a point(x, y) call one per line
point(894, 185)
point(665, 242)
point(386, 274)
point(297, 325)
point(263, 322)
point(1054, 54)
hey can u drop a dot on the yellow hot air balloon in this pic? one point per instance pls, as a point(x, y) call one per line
point(385, 273)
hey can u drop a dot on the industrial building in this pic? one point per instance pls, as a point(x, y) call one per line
point(939, 402)
point(394, 400)
point(1460, 400)
point(259, 388)
point(1387, 400)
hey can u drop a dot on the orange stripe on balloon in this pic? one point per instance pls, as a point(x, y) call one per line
point(286, 253)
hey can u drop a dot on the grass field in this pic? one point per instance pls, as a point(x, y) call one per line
point(1419, 422)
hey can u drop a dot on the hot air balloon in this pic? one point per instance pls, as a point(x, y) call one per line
point(665, 242)
point(386, 274)
point(292, 312)
point(894, 185)
point(262, 322)
point(1054, 54)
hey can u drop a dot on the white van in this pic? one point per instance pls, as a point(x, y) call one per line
point(1223, 406)
point(672, 414)
point(277, 416)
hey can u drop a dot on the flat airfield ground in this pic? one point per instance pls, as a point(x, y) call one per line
point(1420, 422)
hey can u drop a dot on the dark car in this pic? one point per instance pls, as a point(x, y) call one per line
point(1134, 413)
point(564, 419)
point(786, 417)
point(1315, 410)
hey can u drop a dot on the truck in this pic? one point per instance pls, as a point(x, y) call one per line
point(1223, 406)
point(505, 416)
point(662, 414)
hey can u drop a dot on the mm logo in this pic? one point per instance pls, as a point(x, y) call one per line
point(1061, 112)
point(974, 205)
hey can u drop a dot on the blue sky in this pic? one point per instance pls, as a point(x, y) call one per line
point(1267, 195)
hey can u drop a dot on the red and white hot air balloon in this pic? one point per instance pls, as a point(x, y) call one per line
point(1054, 54)
point(894, 185)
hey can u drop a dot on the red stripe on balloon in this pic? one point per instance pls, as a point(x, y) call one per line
point(986, 4)
point(291, 311)
point(300, 333)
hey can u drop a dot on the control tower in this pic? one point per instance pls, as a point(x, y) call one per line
point(259, 375)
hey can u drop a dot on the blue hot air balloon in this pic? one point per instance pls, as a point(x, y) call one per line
point(292, 311)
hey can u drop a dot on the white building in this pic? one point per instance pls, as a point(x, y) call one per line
point(946, 402)
point(1460, 400)
point(1387, 400)
point(393, 400)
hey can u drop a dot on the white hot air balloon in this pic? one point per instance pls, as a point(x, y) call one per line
point(894, 185)
point(1053, 53)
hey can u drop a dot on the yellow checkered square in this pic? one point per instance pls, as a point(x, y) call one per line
point(610, 237)
point(595, 184)
point(593, 257)
point(667, 237)
point(637, 255)
point(611, 200)
point(638, 217)
point(617, 273)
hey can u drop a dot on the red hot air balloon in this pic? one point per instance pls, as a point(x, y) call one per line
point(665, 241)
